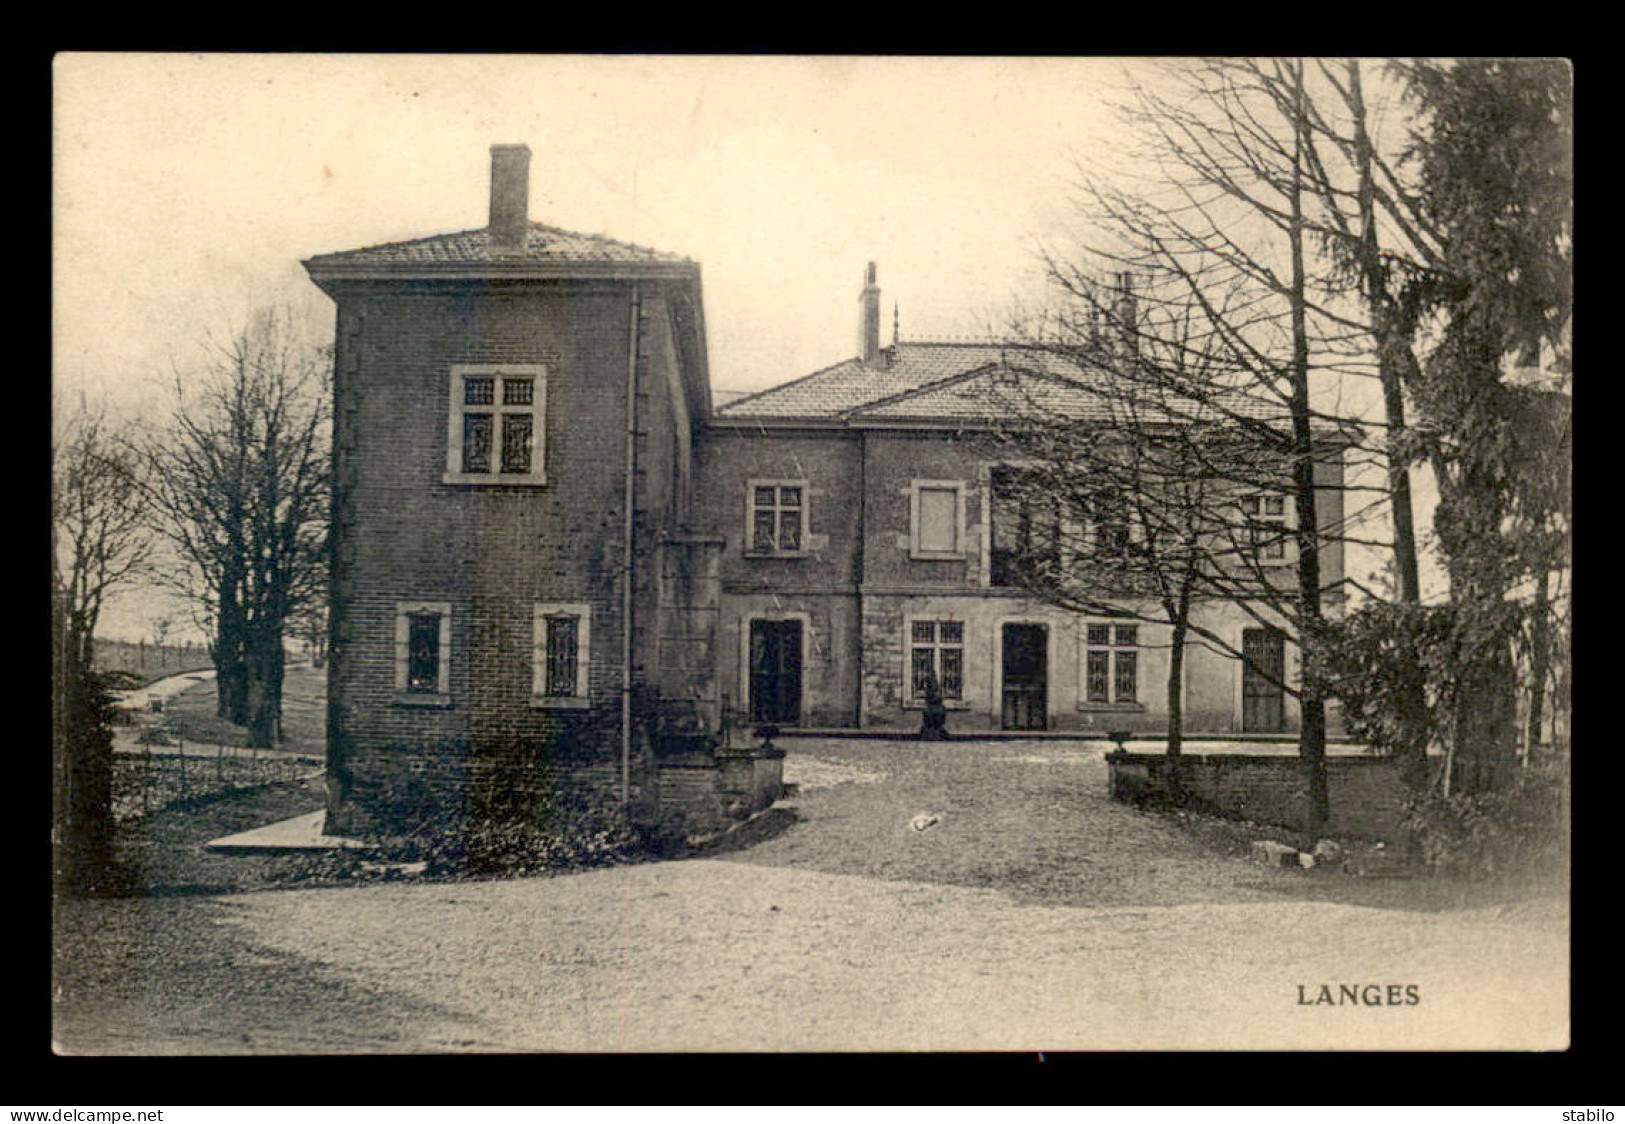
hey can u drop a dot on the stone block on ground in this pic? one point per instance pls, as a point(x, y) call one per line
point(1328, 852)
point(1267, 852)
point(1379, 862)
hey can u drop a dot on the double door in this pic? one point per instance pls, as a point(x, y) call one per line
point(1263, 696)
point(1025, 688)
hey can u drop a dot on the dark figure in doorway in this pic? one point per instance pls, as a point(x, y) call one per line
point(933, 726)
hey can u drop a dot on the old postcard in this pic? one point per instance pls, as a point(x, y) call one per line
point(649, 554)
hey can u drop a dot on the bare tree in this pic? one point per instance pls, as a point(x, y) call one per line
point(1319, 258)
point(1227, 230)
point(240, 481)
point(1116, 497)
point(1157, 483)
point(99, 541)
point(100, 537)
point(310, 626)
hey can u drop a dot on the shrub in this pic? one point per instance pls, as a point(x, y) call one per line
point(568, 830)
point(1521, 830)
point(1389, 666)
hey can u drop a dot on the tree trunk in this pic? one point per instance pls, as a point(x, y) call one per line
point(1176, 710)
point(1484, 719)
point(231, 681)
point(1180, 620)
point(1311, 701)
point(1396, 362)
point(1482, 716)
point(231, 674)
point(1540, 661)
point(1485, 726)
point(82, 758)
point(263, 684)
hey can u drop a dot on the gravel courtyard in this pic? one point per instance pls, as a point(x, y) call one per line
point(1032, 914)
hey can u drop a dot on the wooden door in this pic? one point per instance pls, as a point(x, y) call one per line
point(1263, 700)
point(775, 672)
point(1026, 677)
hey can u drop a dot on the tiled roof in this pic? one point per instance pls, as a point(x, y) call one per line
point(958, 382)
point(847, 386)
point(993, 392)
point(473, 247)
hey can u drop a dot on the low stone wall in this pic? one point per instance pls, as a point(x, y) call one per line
point(687, 785)
point(689, 797)
point(751, 779)
point(393, 789)
point(1365, 791)
point(704, 788)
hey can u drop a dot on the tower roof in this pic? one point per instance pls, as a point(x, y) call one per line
point(547, 251)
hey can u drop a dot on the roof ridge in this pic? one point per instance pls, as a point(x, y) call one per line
point(1058, 348)
point(936, 384)
point(596, 237)
point(1052, 377)
point(786, 385)
point(958, 341)
point(546, 230)
point(402, 242)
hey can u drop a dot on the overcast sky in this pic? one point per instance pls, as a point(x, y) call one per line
point(189, 188)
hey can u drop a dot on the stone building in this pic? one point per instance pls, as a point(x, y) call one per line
point(556, 563)
point(898, 560)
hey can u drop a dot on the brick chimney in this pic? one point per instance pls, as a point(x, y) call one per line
point(510, 196)
point(869, 319)
point(1128, 314)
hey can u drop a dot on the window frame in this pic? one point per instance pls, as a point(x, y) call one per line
point(936, 646)
point(1113, 649)
point(916, 551)
point(1035, 520)
point(542, 612)
point(406, 695)
point(1259, 520)
point(751, 550)
point(458, 409)
point(1123, 521)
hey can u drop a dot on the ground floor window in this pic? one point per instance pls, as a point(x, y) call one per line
point(1111, 663)
point(561, 654)
point(937, 648)
point(422, 647)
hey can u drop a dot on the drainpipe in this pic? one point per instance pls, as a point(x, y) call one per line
point(861, 562)
point(628, 498)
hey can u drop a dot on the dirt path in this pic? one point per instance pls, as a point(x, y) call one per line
point(1031, 819)
point(710, 956)
point(846, 929)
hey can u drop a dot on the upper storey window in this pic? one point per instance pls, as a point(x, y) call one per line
point(495, 433)
point(776, 517)
point(937, 519)
point(1267, 526)
point(1026, 529)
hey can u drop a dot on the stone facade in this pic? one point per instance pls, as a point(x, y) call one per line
point(447, 679)
point(862, 582)
point(648, 579)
